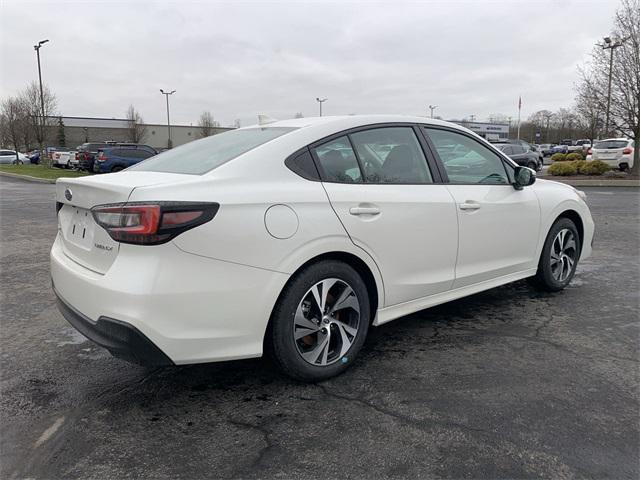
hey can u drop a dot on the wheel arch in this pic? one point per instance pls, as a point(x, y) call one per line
point(577, 220)
point(373, 284)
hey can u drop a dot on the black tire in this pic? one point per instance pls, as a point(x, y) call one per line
point(117, 168)
point(545, 278)
point(533, 166)
point(279, 340)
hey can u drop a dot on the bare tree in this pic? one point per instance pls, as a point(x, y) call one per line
point(207, 124)
point(13, 122)
point(299, 115)
point(625, 76)
point(136, 129)
point(588, 108)
point(40, 128)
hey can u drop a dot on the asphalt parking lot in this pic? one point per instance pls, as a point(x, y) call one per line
point(509, 383)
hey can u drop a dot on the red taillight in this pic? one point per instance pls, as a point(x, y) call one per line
point(627, 151)
point(102, 157)
point(152, 223)
point(589, 152)
point(86, 155)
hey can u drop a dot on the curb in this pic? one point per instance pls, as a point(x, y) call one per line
point(27, 178)
point(594, 183)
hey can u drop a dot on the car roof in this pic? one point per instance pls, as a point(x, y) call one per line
point(311, 129)
point(341, 122)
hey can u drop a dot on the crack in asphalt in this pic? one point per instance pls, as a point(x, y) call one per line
point(266, 437)
point(418, 423)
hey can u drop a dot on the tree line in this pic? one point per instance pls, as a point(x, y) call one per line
point(22, 123)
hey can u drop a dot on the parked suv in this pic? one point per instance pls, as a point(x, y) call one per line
point(114, 159)
point(527, 147)
point(616, 152)
point(520, 155)
point(87, 152)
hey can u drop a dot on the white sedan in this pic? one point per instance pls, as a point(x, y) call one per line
point(8, 157)
point(616, 152)
point(297, 236)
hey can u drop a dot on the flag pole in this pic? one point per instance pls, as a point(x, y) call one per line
point(519, 108)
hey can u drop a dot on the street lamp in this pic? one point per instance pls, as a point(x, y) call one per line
point(321, 101)
point(610, 45)
point(37, 49)
point(166, 94)
point(432, 108)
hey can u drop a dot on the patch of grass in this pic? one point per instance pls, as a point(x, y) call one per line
point(40, 171)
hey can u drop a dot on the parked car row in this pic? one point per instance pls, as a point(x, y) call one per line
point(565, 146)
point(105, 157)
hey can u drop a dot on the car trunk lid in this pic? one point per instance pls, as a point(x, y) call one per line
point(83, 240)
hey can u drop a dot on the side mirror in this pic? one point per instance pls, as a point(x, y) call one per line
point(523, 177)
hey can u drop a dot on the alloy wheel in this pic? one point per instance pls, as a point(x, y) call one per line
point(326, 322)
point(563, 254)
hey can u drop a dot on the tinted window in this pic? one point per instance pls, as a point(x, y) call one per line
point(204, 155)
point(507, 149)
point(303, 165)
point(338, 162)
point(518, 149)
point(465, 160)
point(391, 155)
point(611, 144)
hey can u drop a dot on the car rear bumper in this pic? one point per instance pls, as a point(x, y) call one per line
point(192, 308)
point(121, 339)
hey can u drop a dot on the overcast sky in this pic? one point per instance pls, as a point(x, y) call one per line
point(237, 59)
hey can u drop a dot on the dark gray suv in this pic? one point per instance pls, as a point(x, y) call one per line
point(520, 155)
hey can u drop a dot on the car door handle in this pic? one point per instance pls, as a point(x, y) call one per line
point(469, 205)
point(364, 210)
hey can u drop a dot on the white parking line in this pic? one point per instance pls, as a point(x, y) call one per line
point(48, 433)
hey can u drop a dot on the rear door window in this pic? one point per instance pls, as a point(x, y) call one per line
point(338, 161)
point(391, 155)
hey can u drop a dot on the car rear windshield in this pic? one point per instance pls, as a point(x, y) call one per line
point(199, 157)
point(610, 144)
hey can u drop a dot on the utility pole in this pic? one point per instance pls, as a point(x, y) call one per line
point(166, 94)
point(37, 49)
point(611, 45)
point(321, 101)
point(432, 108)
point(472, 117)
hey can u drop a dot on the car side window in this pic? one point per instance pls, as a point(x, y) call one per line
point(466, 160)
point(391, 155)
point(518, 149)
point(338, 161)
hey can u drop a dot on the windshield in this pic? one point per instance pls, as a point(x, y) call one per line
point(201, 156)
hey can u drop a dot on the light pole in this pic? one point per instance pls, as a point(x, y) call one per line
point(611, 45)
point(472, 117)
point(320, 102)
point(37, 49)
point(432, 108)
point(166, 94)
